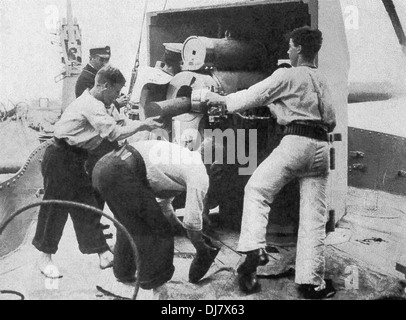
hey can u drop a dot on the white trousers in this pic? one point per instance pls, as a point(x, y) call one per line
point(295, 157)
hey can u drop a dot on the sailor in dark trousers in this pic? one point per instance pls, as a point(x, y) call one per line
point(121, 178)
point(82, 127)
point(139, 183)
point(98, 58)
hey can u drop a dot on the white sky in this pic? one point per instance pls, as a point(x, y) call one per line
point(29, 62)
point(374, 48)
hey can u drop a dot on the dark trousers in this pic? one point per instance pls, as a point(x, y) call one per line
point(94, 156)
point(124, 186)
point(65, 179)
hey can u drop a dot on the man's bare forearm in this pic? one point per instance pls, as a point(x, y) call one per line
point(130, 128)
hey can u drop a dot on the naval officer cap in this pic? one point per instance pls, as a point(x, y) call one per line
point(103, 52)
point(172, 52)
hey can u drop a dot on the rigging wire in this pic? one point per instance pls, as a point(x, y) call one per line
point(137, 56)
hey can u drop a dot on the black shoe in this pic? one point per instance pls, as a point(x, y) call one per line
point(247, 271)
point(202, 262)
point(308, 291)
point(248, 283)
point(254, 259)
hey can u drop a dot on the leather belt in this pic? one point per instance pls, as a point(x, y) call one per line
point(65, 145)
point(307, 130)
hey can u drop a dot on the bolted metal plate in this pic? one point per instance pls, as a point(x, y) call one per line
point(376, 161)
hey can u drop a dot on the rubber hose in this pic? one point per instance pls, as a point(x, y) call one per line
point(13, 292)
point(87, 207)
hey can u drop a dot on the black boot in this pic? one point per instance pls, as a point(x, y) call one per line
point(247, 271)
point(206, 252)
point(308, 291)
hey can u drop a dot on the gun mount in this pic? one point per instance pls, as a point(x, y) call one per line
point(224, 49)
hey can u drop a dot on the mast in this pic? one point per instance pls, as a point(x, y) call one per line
point(70, 41)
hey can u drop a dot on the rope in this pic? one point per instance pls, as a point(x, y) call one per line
point(78, 206)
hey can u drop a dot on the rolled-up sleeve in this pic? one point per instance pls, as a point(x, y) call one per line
point(195, 198)
point(104, 124)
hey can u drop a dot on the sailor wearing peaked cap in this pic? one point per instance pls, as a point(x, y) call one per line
point(99, 57)
point(104, 52)
point(172, 58)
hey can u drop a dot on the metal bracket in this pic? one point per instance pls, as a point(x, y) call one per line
point(60, 77)
point(332, 159)
point(336, 137)
point(357, 154)
point(358, 166)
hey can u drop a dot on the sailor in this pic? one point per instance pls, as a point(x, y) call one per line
point(99, 57)
point(300, 99)
point(82, 127)
point(172, 58)
point(139, 183)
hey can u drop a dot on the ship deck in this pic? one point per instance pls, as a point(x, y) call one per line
point(361, 255)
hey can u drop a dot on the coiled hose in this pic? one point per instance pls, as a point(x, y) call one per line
point(77, 206)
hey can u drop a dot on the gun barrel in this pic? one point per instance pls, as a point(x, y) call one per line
point(168, 108)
